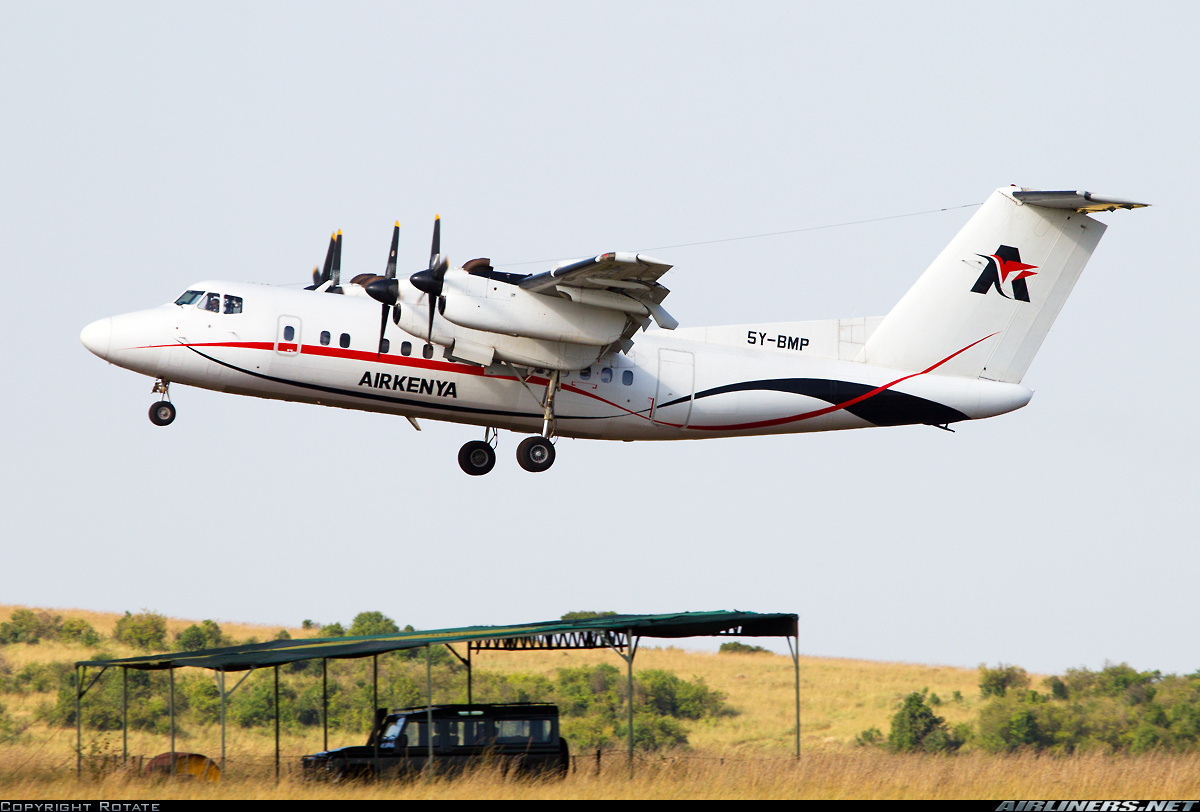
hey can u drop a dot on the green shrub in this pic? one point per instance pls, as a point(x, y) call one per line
point(916, 728)
point(734, 647)
point(203, 636)
point(145, 630)
point(368, 623)
point(996, 681)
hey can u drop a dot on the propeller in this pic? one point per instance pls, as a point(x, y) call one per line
point(319, 277)
point(387, 290)
point(430, 280)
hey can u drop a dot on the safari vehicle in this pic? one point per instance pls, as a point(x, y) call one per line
point(523, 738)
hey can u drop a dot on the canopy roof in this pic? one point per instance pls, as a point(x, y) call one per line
point(612, 631)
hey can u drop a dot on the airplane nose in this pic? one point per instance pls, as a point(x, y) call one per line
point(97, 336)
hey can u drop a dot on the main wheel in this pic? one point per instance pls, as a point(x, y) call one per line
point(535, 454)
point(476, 458)
point(162, 413)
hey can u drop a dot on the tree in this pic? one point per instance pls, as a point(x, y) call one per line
point(145, 630)
point(206, 635)
point(368, 623)
point(915, 727)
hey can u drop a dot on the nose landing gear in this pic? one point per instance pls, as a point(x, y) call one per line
point(163, 412)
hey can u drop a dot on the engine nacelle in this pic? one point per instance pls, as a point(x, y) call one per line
point(493, 306)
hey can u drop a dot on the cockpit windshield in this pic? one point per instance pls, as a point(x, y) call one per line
point(210, 301)
point(189, 297)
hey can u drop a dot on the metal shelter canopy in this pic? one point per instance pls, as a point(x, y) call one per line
point(613, 631)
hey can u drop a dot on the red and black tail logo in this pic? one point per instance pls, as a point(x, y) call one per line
point(1004, 268)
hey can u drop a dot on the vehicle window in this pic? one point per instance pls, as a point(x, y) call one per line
point(417, 732)
point(585, 374)
point(389, 733)
point(212, 303)
point(189, 297)
point(344, 341)
point(627, 377)
point(233, 304)
point(289, 333)
point(325, 338)
point(406, 348)
point(427, 351)
point(384, 345)
point(606, 375)
point(516, 731)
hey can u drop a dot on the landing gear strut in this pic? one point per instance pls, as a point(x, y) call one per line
point(163, 412)
point(536, 454)
point(479, 456)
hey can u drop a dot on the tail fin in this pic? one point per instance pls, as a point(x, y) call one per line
point(982, 309)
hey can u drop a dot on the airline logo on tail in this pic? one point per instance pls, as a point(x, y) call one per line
point(1004, 268)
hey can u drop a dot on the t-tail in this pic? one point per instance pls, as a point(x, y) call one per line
point(982, 309)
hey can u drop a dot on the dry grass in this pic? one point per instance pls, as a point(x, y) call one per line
point(747, 755)
point(869, 774)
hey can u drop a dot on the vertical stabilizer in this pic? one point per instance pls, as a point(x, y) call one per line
point(982, 309)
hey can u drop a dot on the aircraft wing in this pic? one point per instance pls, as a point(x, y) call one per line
point(622, 271)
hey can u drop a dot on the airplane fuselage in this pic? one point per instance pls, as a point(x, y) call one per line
point(302, 345)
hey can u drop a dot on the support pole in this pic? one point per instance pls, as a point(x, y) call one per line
point(78, 722)
point(222, 677)
point(325, 702)
point(375, 706)
point(172, 704)
point(795, 652)
point(469, 672)
point(629, 668)
point(124, 715)
point(429, 705)
point(276, 724)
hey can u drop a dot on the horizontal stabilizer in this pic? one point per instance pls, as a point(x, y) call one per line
point(1074, 201)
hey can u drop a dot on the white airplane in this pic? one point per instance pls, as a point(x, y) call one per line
point(554, 354)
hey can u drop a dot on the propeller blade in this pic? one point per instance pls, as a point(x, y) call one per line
point(391, 265)
point(383, 320)
point(328, 258)
point(337, 261)
point(436, 248)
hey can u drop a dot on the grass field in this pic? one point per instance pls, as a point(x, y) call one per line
point(746, 755)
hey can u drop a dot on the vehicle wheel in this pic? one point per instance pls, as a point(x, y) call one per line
point(564, 759)
point(535, 454)
point(476, 458)
point(162, 413)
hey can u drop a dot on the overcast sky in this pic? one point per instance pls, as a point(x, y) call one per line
point(148, 146)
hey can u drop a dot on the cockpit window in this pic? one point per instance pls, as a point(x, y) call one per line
point(233, 304)
point(189, 297)
point(211, 302)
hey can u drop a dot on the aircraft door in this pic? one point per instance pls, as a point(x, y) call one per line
point(676, 388)
point(287, 338)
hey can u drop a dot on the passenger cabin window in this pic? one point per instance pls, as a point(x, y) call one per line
point(211, 303)
point(427, 351)
point(406, 348)
point(384, 345)
point(627, 377)
point(289, 333)
point(606, 375)
point(233, 304)
point(325, 338)
point(585, 374)
point(344, 341)
point(189, 297)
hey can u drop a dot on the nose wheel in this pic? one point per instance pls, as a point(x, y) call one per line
point(163, 412)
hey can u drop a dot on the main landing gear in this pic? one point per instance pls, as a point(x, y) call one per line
point(479, 456)
point(163, 412)
point(534, 454)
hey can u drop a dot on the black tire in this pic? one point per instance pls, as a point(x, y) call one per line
point(476, 458)
point(564, 759)
point(162, 413)
point(535, 454)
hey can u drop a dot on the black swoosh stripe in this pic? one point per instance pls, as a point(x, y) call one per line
point(885, 408)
